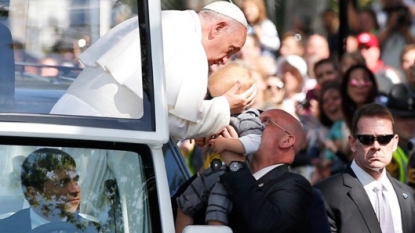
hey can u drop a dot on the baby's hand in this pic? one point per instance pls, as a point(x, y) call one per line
point(218, 144)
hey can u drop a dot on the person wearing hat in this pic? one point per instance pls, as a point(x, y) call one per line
point(401, 103)
point(191, 43)
point(293, 71)
point(386, 76)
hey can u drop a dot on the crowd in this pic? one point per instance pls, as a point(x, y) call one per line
point(342, 104)
point(303, 75)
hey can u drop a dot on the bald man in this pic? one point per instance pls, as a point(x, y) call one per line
point(110, 84)
point(267, 197)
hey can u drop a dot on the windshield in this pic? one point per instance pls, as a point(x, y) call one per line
point(58, 57)
point(46, 188)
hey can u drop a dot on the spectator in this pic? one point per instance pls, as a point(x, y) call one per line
point(261, 87)
point(49, 69)
point(302, 22)
point(385, 75)
point(269, 198)
point(260, 26)
point(192, 42)
point(317, 48)
point(325, 70)
point(401, 103)
point(364, 198)
point(351, 43)
point(336, 151)
point(408, 64)
point(368, 21)
point(351, 58)
point(274, 93)
point(395, 35)
point(293, 72)
point(358, 88)
point(250, 53)
point(293, 43)
point(330, 22)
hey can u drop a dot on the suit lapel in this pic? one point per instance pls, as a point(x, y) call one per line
point(358, 195)
point(405, 202)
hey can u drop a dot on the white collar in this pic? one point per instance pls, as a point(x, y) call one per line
point(264, 171)
point(368, 181)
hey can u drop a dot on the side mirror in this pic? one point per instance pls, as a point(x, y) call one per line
point(206, 229)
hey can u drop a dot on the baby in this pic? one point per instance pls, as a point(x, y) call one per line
point(206, 191)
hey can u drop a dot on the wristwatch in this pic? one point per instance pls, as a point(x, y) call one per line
point(236, 166)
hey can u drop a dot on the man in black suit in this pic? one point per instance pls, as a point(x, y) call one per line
point(351, 201)
point(50, 184)
point(267, 197)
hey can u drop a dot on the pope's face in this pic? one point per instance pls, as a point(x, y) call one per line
point(225, 43)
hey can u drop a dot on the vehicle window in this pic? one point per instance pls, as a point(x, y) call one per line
point(43, 58)
point(59, 188)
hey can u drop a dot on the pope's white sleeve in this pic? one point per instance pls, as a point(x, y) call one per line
point(216, 116)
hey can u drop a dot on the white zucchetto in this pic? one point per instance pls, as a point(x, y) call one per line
point(229, 10)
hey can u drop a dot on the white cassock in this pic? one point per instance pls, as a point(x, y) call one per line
point(110, 85)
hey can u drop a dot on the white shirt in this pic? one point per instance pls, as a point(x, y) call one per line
point(264, 171)
point(369, 183)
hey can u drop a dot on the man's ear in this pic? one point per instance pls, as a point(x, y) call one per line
point(30, 193)
point(218, 29)
point(287, 141)
point(352, 143)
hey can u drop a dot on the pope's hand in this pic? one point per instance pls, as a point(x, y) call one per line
point(240, 102)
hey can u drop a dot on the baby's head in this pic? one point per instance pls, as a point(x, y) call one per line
point(225, 77)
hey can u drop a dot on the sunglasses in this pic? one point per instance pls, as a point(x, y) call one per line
point(370, 139)
point(363, 83)
point(279, 86)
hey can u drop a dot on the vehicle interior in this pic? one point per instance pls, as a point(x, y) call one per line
point(117, 186)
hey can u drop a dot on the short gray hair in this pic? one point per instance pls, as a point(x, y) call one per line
point(214, 16)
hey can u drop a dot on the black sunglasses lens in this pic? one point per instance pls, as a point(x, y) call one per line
point(366, 139)
point(385, 139)
point(369, 139)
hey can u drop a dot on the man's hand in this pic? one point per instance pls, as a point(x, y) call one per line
point(240, 102)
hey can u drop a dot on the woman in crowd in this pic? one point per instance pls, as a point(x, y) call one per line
point(293, 43)
point(408, 63)
point(293, 72)
point(358, 88)
point(260, 26)
point(274, 93)
point(331, 116)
